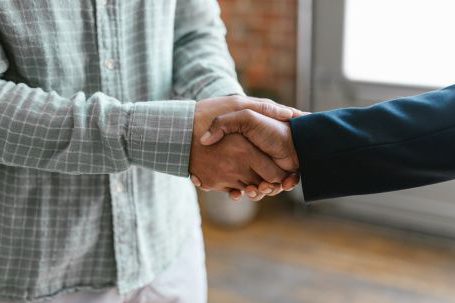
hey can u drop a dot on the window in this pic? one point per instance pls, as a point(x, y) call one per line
point(405, 42)
point(359, 52)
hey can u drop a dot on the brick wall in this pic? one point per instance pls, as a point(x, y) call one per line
point(262, 40)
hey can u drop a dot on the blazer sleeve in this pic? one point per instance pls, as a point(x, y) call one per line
point(398, 144)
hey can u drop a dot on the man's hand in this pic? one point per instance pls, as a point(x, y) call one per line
point(273, 137)
point(236, 163)
point(232, 164)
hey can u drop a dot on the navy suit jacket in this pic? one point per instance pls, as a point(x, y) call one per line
point(393, 145)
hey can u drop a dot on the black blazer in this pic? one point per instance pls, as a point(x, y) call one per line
point(393, 145)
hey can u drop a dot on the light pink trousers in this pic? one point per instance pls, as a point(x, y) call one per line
point(185, 281)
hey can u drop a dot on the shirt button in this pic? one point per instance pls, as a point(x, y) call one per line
point(110, 64)
point(119, 187)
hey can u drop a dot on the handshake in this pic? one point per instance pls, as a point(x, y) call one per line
point(243, 144)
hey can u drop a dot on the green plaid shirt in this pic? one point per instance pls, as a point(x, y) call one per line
point(91, 143)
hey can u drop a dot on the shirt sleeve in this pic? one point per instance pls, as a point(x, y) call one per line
point(94, 134)
point(203, 67)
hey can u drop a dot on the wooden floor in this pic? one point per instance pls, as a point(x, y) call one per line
point(281, 258)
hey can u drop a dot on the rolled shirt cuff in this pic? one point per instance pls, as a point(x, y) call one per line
point(160, 134)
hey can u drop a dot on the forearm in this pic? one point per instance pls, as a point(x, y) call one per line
point(94, 135)
point(393, 145)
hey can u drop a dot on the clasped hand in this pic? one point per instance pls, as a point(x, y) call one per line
point(257, 156)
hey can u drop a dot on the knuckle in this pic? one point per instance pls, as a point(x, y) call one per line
point(248, 113)
point(237, 102)
point(267, 108)
point(263, 186)
point(215, 122)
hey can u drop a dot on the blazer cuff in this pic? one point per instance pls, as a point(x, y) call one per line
point(307, 137)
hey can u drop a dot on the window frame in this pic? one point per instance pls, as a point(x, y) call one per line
point(322, 23)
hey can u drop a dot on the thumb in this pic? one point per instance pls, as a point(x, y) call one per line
point(235, 122)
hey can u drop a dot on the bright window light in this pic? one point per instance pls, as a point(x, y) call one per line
point(407, 42)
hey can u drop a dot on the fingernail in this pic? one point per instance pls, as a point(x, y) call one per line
point(290, 189)
point(205, 136)
point(196, 181)
point(268, 191)
point(252, 194)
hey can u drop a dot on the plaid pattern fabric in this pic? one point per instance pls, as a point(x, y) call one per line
point(91, 143)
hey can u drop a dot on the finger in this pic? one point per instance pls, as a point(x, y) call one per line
point(238, 186)
point(277, 189)
point(235, 194)
point(235, 122)
point(269, 189)
point(196, 181)
point(266, 188)
point(257, 198)
point(251, 178)
point(272, 110)
point(254, 194)
point(265, 167)
point(295, 112)
point(267, 107)
point(252, 191)
point(291, 182)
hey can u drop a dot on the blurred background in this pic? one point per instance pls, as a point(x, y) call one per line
point(318, 55)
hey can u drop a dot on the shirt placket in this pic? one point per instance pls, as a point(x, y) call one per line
point(124, 218)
